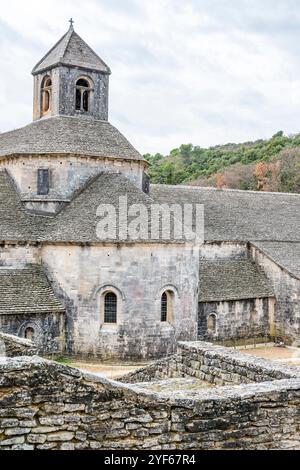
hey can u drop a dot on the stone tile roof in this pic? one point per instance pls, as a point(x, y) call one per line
point(77, 222)
point(232, 280)
point(68, 135)
point(71, 50)
point(229, 215)
point(26, 291)
point(239, 215)
point(286, 255)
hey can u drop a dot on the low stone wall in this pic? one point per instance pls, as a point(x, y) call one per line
point(214, 364)
point(44, 405)
point(11, 346)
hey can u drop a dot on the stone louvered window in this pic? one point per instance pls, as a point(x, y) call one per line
point(46, 95)
point(83, 90)
point(43, 182)
point(110, 308)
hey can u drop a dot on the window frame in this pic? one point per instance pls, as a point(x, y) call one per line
point(32, 331)
point(167, 306)
point(84, 95)
point(100, 294)
point(43, 182)
point(210, 330)
point(114, 300)
point(46, 90)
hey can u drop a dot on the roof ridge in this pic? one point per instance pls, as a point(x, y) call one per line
point(271, 257)
point(228, 190)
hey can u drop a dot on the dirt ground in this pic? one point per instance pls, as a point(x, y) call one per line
point(287, 355)
point(108, 370)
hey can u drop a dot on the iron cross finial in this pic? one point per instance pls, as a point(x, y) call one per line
point(71, 21)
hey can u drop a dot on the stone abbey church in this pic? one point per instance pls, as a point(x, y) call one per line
point(73, 293)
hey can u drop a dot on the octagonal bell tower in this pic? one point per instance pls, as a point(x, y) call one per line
point(71, 80)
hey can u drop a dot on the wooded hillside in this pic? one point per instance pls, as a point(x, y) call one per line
point(265, 165)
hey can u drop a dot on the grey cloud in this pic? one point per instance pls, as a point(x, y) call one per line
point(205, 71)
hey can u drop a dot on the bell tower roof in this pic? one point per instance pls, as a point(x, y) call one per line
point(72, 51)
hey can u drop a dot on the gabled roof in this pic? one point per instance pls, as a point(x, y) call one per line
point(224, 280)
point(284, 254)
point(68, 135)
point(243, 216)
point(78, 221)
point(71, 50)
point(27, 291)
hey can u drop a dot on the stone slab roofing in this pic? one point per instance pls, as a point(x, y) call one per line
point(232, 280)
point(286, 255)
point(68, 135)
point(77, 222)
point(229, 215)
point(239, 215)
point(71, 50)
point(26, 291)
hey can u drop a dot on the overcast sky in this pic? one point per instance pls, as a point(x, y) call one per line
point(201, 71)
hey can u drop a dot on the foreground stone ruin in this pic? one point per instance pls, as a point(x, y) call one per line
point(248, 403)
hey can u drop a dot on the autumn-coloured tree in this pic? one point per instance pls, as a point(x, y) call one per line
point(221, 181)
point(262, 176)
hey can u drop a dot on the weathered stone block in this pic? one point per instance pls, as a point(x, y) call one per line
point(17, 431)
point(51, 421)
point(60, 436)
point(67, 446)
point(36, 438)
point(9, 423)
point(12, 441)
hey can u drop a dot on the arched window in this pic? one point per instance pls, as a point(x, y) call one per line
point(83, 90)
point(46, 95)
point(110, 308)
point(167, 306)
point(212, 323)
point(29, 334)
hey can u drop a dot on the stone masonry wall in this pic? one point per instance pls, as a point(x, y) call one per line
point(69, 174)
point(49, 330)
point(235, 320)
point(287, 288)
point(213, 364)
point(12, 346)
point(138, 274)
point(45, 406)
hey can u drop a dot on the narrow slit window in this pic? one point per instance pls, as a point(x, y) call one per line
point(164, 307)
point(46, 95)
point(78, 100)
